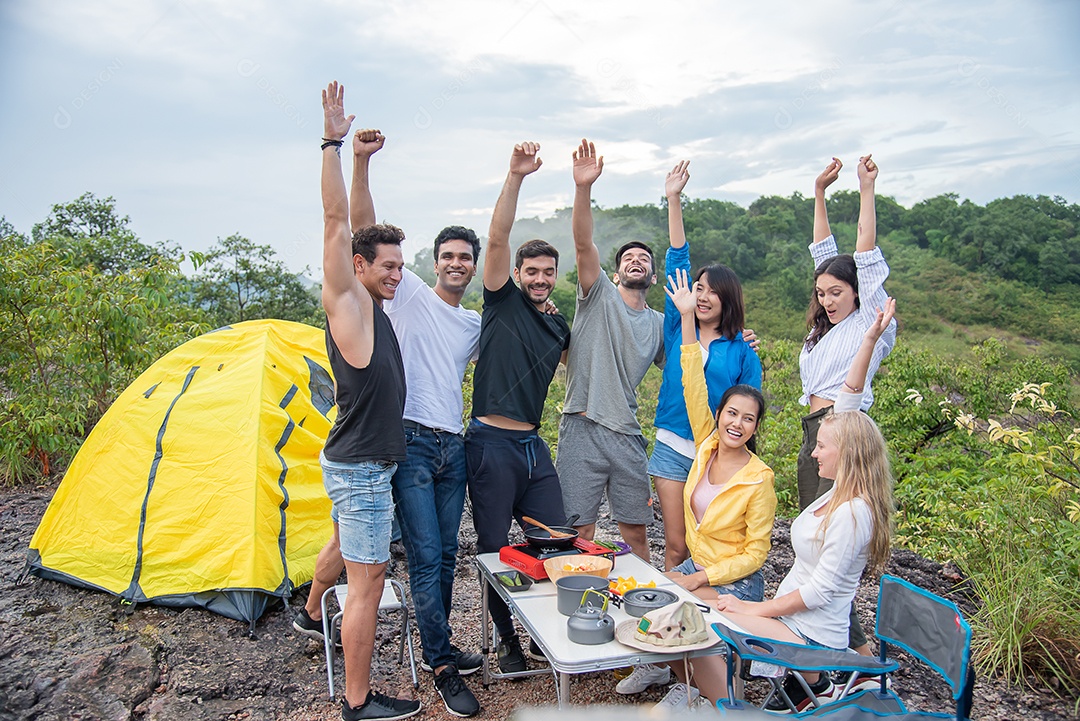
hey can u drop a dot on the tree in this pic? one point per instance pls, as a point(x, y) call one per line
point(239, 280)
point(72, 336)
point(89, 231)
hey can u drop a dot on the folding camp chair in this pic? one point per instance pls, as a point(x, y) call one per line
point(393, 600)
point(928, 627)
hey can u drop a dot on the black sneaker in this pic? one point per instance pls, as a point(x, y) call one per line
point(823, 689)
point(456, 696)
point(466, 662)
point(305, 624)
point(381, 707)
point(511, 659)
point(535, 652)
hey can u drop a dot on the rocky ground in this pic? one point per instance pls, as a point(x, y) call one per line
point(67, 653)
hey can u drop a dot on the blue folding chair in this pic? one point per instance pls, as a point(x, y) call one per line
point(925, 625)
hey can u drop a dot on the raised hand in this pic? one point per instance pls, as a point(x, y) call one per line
point(335, 124)
point(829, 175)
point(366, 142)
point(867, 170)
point(678, 289)
point(884, 317)
point(676, 179)
point(587, 164)
point(525, 159)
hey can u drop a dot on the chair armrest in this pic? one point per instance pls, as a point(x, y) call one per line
point(800, 656)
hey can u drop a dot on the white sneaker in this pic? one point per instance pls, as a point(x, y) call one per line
point(680, 696)
point(643, 677)
point(705, 706)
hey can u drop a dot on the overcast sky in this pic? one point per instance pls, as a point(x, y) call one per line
point(203, 119)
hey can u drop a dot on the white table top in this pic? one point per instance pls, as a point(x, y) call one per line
point(536, 609)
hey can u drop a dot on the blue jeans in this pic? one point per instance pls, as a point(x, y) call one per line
point(429, 490)
point(749, 588)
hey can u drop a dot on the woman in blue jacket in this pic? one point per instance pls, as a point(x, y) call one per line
point(728, 361)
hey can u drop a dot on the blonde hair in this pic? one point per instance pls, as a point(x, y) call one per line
point(863, 471)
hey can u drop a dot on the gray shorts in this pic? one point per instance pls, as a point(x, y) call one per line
point(593, 459)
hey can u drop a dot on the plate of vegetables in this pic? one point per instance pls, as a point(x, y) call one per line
point(618, 547)
point(514, 581)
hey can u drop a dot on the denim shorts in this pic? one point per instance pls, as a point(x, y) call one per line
point(794, 628)
point(363, 507)
point(666, 462)
point(750, 588)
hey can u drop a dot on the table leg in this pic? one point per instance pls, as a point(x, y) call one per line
point(485, 635)
point(564, 691)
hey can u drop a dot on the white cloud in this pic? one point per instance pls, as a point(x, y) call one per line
point(209, 123)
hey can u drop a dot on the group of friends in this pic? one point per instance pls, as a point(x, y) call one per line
point(399, 350)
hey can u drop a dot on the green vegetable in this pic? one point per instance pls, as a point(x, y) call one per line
point(510, 580)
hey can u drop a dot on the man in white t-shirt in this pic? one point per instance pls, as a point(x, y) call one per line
point(438, 339)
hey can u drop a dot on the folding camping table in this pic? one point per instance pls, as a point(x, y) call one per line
point(537, 611)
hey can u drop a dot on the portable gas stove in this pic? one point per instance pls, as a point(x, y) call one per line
point(530, 560)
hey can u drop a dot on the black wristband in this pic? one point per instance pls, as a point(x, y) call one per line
point(327, 142)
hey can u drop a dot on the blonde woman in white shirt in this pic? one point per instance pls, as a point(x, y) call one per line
point(838, 536)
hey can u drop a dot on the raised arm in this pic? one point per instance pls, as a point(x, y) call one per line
point(855, 382)
point(339, 278)
point(587, 168)
point(695, 389)
point(365, 143)
point(348, 311)
point(867, 236)
point(673, 187)
point(497, 261)
point(821, 216)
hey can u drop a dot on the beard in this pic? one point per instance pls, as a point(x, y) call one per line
point(530, 290)
point(635, 282)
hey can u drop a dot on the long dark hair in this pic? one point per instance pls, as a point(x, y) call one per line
point(841, 267)
point(750, 392)
point(723, 281)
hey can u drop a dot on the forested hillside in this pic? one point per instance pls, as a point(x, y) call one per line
point(961, 272)
point(977, 401)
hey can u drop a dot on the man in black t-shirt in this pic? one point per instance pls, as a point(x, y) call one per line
point(510, 473)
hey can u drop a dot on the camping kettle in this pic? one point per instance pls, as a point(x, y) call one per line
point(590, 624)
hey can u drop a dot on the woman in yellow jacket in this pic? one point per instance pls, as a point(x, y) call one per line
point(729, 501)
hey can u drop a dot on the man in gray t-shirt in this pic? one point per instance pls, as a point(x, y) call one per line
point(616, 337)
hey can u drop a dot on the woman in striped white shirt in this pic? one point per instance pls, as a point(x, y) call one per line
point(848, 291)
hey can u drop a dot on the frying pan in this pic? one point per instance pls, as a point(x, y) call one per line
point(540, 538)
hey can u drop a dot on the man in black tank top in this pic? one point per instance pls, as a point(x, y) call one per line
point(509, 466)
point(368, 438)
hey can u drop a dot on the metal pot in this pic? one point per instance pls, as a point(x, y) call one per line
point(570, 590)
point(589, 624)
point(639, 601)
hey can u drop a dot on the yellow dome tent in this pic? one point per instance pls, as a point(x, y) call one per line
point(200, 486)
